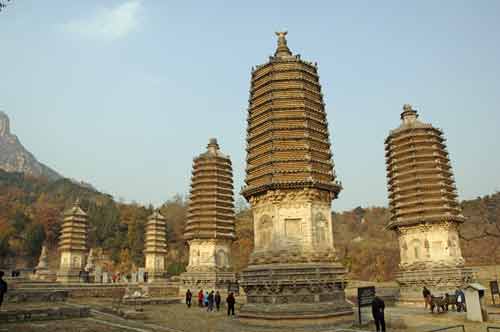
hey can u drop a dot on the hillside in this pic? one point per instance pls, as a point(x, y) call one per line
point(31, 210)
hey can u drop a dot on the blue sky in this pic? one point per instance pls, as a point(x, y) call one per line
point(123, 94)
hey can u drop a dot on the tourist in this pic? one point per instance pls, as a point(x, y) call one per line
point(188, 298)
point(210, 301)
point(217, 300)
point(205, 299)
point(200, 298)
point(3, 287)
point(231, 301)
point(378, 307)
point(427, 297)
point(460, 299)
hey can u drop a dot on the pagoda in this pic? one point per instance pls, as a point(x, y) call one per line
point(425, 213)
point(293, 273)
point(42, 271)
point(155, 247)
point(210, 222)
point(73, 244)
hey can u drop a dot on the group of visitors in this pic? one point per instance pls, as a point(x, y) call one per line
point(209, 300)
point(458, 301)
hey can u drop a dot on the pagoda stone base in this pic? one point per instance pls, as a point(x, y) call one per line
point(301, 294)
point(45, 275)
point(157, 276)
point(210, 280)
point(68, 276)
point(438, 279)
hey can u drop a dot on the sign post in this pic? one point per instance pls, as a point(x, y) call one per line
point(233, 287)
point(494, 290)
point(365, 298)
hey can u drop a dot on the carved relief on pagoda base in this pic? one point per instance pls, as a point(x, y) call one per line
point(294, 289)
point(211, 255)
point(293, 255)
point(72, 261)
point(306, 195)
point(297, 222)
point(206, 280)
point(438, 279)
point(71, 264)
point(429, 245)
point(155, 263)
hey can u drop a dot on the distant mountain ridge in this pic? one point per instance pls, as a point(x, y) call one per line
point(15, 158)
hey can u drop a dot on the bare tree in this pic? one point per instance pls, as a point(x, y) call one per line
point(3, 4)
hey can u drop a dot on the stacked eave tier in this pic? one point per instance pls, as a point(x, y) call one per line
point(73, 234)
point(156, 237)
point(211, 207)
point(288, 143)
point(420, 179)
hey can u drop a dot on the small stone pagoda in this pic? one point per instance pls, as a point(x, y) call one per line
point(73, 244)
point(155, 247)
point(42, 271)
point(425, 213)
point(293, 273)
point(210, 224)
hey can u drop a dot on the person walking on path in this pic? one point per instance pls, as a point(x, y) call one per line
point(200, 298)
point(205, 299)
point(460, 300)
point(217, 300)
point(189, 296)
point(210, 301)
point(3, 287)
point(378, 307)
point(427, 297)
point(231, 301)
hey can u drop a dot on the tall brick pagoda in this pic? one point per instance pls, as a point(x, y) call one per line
point(290, 182)
point(155, 247)
point(210, 223)
point(73, 244)
point(425, 213)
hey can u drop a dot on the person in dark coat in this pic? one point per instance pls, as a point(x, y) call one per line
point(378, 307)
point(3, 287)
point(189, 296)
point(231, 301)
point(211, 300)
point(427, 297)
point(217, 300)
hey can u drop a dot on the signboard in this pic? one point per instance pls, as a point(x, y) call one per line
point(233, 287)
point(494, 289)
point(365, 298)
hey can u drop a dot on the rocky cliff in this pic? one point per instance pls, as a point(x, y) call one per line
point(15, 158)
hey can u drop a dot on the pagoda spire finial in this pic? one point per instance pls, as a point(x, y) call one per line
point(409, 114)
point(282, 50)
point(213, 146)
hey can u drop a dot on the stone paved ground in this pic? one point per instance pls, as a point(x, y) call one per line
point(69, 325)
point(177, 318)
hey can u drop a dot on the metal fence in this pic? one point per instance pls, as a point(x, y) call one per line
point(449, 328)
